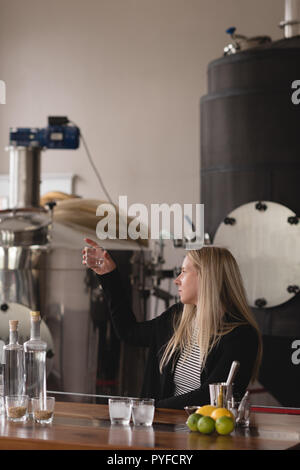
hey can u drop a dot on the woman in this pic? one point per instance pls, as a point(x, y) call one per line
point(194, 342)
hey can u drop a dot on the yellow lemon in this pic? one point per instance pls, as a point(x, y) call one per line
point(219, 412)
point(206, 410)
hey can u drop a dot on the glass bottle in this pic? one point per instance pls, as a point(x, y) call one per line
point(13, 361)
point(35, 361)
point(243, 413)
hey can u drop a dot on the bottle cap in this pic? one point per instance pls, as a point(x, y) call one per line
point(35, 315)
point(13, 325)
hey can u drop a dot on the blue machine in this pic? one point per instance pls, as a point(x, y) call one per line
point(58, 135)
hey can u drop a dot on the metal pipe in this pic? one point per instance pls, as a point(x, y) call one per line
point(24, 177)
point(291, 23)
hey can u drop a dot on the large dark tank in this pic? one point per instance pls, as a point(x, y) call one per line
point(250, 149)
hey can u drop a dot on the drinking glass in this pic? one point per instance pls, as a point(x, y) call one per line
point(16, 408)
point(143, 411)
point(242, 418)
point(120, 410)
point(220, 393)
point(43, 409)
point(92, 256)
point(233, 406)
point(245, 421)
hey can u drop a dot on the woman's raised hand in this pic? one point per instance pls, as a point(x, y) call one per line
point(96, 258)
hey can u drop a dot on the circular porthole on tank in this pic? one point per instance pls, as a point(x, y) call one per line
point(264, 237)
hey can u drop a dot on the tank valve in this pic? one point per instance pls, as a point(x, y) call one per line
point(293, 220)
point(293, 289)
point(260, 303)
point(260, 206)
point(50, 354)
point(229, 221)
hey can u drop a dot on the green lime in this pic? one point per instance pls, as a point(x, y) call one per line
point(193, 421)
point(224, 425)
point(206, 425)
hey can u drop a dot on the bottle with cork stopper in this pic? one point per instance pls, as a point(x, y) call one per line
point(35, 361)
point(13, 359)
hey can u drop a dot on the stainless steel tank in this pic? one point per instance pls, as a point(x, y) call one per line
point(41, 269)
point(24, 176)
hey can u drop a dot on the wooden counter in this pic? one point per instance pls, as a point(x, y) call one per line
point(87, 426)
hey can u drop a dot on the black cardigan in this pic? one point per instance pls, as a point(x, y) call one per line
point(240, 344)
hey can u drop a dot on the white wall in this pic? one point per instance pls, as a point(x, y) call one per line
point(131, 74)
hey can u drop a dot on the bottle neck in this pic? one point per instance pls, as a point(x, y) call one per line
point(35, 330)
point(13, 337)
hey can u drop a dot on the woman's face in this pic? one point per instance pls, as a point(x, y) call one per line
point(187, 282)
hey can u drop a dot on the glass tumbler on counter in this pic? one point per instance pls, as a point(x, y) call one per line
point(43, 409)
point(242, 416)
point(120, 410)
point(245, 422)
point(220, 393)
point(233, 406)
point(16, 408)
point(143, 411)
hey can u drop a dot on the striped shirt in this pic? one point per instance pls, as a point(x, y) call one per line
point(188, 369)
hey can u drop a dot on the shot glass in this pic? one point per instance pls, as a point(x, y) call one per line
point(143, 411)
point(92, 257)
point(16, 408)
point(120, 410)
point(43, 410)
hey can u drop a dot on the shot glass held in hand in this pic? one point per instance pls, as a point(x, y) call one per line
point(143, 411)
point(92, 256)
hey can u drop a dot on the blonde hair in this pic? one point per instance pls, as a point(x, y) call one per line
point(221, 306)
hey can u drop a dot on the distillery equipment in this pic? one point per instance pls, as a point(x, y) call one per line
point(250, 176)
point(41, 270)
